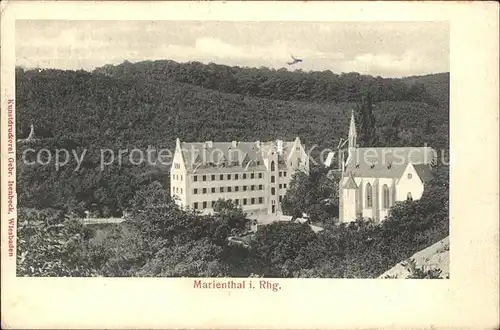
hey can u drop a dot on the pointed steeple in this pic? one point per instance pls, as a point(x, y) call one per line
point(31, 136)
point(352, 132)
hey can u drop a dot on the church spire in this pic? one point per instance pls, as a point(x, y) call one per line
point(352, 132)
point(31, 136)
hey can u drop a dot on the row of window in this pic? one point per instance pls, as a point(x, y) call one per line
point(386, 197)
point(236, 176)
point(244, 201)
point(176, 190)
point(213, 190)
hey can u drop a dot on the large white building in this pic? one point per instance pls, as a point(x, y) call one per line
point(255, 175)
point(373, 179)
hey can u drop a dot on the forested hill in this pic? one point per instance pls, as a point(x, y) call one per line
point(151, 107)
point(91, 110)
point(295, 85)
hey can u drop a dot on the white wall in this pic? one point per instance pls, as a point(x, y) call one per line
point(413, 185)
point(349, 209)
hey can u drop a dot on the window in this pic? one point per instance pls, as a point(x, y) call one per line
point(273, 191)
point(229, 189)
point(204, 190)
point(229, 176)
point(195, 191)
point(204, 178)
point(409, 197)
point(236, 188)
point(177, 165)
point(213, 177)
point(409, 176)
point(252, 201)
point(385, 197)
point(181, 190)
point(252, 187)
point(236, 176)
point(252, 176)
point(195, 205)
point(281, 197)
point(281, 173)
point(297, 148)
point(273, 179)
point(213, 190)
point(284, 185)
point(221, 189)
point(261, 200)
point(204, 205)
point(213, 204)
point(181, 177)
point(284, 173)
point(260, 175)
point(261, 187)
point(280, 185)
point(221, 177)
point(244, 188)
point(176, 189)
point(369, 202)
point(236, 202)
point(273, 166)
point(258, 162)
point(244, 201)
point(244, 175)
point(195, 178)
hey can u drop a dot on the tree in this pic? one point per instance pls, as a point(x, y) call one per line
point(275, 246)
point(315, 194)
point(230, 214)
point(365, 120)
point(48, 246)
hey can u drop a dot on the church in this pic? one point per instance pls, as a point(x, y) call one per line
point(373, 179)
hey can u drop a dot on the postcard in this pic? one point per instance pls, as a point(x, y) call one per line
point(249, 165)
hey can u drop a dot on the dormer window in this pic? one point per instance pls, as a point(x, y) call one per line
point(410, 176)
point(357, 165)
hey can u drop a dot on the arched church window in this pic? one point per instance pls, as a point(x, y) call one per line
point(385, 196)
point(369, 201)
point(409, 197)
point(273, 166)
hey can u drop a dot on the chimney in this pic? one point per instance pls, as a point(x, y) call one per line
point(257, 144)
point(209, 144)
point(234, 144)
point(279, 146)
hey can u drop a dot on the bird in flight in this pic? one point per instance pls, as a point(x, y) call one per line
point(295, 60)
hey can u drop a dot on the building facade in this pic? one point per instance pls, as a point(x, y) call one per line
point(373, 179)
point(254, 175)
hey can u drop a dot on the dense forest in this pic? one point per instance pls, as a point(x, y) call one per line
point(150, 104)
point(162, 240)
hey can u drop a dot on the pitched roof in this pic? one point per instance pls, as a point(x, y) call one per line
point(235, 155)
point(386, 162)
point(424, 172)
point(350, 184)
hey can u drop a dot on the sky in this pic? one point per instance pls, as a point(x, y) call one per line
point(387, 49)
